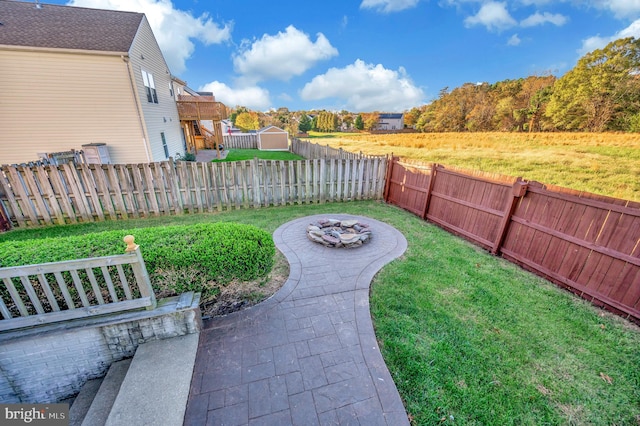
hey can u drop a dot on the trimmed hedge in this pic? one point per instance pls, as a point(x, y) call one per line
point(219, 251)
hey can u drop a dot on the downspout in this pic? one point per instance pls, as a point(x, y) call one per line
point(145, 137)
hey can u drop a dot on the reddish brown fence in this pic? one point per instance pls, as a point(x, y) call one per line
point(587, 243)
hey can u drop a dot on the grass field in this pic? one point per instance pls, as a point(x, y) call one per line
point(602, 163)
point(250, 154)
point(469, 338)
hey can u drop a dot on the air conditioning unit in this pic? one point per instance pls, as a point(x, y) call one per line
point(96, 153)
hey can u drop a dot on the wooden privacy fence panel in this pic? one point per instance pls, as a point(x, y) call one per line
point(469, 205)
point(240, 141)
point(587, 243)
point(60, 291)
point(85, 193)
point(407, 186)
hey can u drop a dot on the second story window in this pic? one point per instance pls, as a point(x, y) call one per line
point(164, 145)
point(150, 86)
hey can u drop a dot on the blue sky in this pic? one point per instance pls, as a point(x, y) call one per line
point(370, 55)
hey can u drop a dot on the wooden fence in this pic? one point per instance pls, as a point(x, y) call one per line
point(305, 149)
point(61, 291)
point(587, 243)
point(5, 223)
point(240, 141)
point(44, 195)
point(314, 150)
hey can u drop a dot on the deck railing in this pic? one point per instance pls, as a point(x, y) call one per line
point(61, 291)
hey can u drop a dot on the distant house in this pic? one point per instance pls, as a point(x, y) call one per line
point(272, 138)
point(74, 76)
point(179, 87)
point(228, 128)
point(390, 121)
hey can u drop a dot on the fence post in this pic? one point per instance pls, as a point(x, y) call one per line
point(140, 271)
point(432, 180)
point(387, 178)
point(519, 190)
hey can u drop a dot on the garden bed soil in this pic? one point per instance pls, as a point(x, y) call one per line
point(238, 295)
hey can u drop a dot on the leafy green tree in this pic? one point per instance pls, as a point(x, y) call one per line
point(347, 119)
point(283, 116)
point(371, 121)
point(601, 92)
point(323, 122)
point(480, 118)
point(305, 123)
point(411, 117)
point(537, 106)
point(327, 122)
point(424, 123)
point(234, 114)
point(359, 123)
point(247, 121)
point(634, 123)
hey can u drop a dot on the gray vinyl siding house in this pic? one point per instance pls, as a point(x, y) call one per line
point(73, 76)
point(390, 121)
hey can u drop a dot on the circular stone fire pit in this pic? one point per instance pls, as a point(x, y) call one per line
point(335, 233)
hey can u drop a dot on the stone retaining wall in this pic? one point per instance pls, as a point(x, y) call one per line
point(49, 363)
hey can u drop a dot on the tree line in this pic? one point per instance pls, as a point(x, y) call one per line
point(601, 93)
point(302, 121)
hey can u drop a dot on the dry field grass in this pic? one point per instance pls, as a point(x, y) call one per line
point(602, 163)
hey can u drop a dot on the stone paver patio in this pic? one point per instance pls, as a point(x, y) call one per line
point(308, 355)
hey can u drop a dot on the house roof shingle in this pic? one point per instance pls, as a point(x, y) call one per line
point(391, 115)
point(65, 27)
point(269, 127)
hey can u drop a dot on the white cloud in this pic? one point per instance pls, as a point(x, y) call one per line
point(514, 40)
point(538, 2)
point(281, 56)
point(592, 43)
point(365, 87)
point(493, 15)
point(252, 97)
point(621, 8)
point(542, 18)
point(597, 42)
point(388, 6)
point(174, 29)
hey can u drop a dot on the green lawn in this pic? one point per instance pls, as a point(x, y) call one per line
point(469, 338)
point(250, 154)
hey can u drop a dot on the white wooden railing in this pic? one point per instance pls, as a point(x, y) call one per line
point(59, 291)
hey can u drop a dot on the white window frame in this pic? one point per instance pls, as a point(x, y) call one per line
point(165, 146)
point(150, 86)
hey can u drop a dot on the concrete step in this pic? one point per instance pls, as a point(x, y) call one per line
point(82, 402)
point(156, 387)
point(103, 402)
